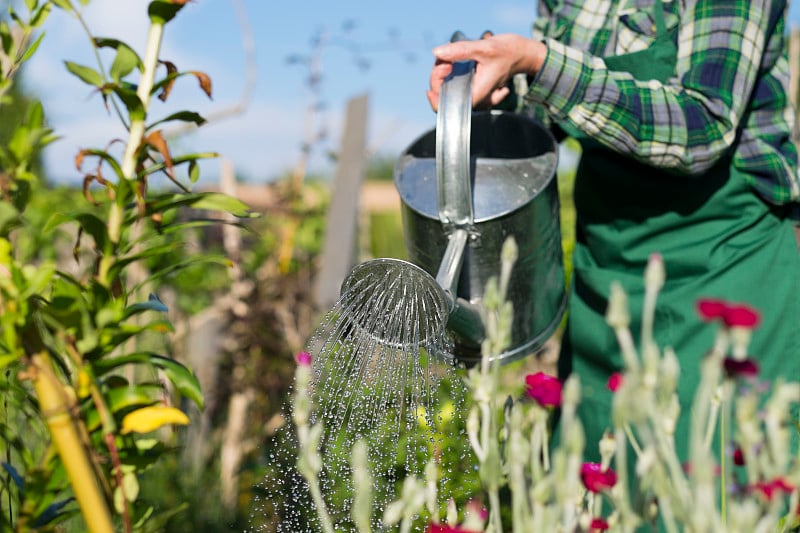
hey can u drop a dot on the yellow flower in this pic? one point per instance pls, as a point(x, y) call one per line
point(151, 418)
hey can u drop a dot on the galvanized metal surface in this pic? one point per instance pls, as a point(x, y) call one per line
point(453, 128)
point(512, 166)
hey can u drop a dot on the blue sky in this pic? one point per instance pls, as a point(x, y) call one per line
point(264, 140)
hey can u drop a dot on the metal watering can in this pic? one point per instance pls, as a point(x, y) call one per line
point(465, 187)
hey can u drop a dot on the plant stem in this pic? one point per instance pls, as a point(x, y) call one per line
point(137, 126)
point(322, 513)
point(146, 81)
point(54, 407)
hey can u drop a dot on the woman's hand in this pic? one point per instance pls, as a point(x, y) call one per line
point(497, 58)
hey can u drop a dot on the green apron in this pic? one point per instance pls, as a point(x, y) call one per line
point(718, 239)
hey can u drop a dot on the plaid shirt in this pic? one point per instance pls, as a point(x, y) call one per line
point(729, 91)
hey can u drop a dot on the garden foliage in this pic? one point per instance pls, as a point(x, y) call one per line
point(87, 406)
point(741, 475)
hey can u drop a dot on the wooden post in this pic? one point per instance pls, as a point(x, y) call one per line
point(338, 251)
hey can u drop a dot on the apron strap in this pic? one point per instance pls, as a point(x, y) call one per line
point(658, 17)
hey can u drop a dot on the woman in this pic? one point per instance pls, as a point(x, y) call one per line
point(681, 109)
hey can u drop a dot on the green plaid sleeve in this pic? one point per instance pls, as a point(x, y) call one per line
point(729, 90)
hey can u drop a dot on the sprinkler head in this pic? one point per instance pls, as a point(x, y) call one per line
point(395, 303)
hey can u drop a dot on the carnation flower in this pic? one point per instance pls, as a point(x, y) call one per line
point(770, 488)
point(543, 388)
point(614, 381)
point(738, 457)
point(303, 359)
point(740, 367)
point(732, 315)
point(595, 479)
point(444, 528)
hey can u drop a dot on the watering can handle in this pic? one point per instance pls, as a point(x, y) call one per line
point(453, 126)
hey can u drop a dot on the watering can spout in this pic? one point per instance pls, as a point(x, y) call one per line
point(464, 318)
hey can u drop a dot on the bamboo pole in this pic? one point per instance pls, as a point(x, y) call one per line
point(54, 406)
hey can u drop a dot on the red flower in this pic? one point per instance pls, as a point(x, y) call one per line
point(303, 359)
point(740, 367)
point(738, 457)
point(709, 309)
point(733, 315)
point(598, 524)
point(444, 528)
point(595, 479)
point(771, 488)
point(741, 316)
point(543, 388)
point(614, 381)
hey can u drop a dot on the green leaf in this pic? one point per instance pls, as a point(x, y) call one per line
point(153, 303)
point(174, 267)
point(153, 251)
point(122, 398)
point(39, 16)
point(194, 171)
point(86, 74)
point(66, 5)
point(180, 376)
point(184, 116)
point(127, 94)
point(6, 38)
point(108, 158)
point(215, 201)
point(39, 280)
point(128, 54)
point(178, 161)
point(32, 48)
point(91, 224)
point(125, 61)
point(35, 115)
point(125, 397)
point(9, 217)
point(161, 12)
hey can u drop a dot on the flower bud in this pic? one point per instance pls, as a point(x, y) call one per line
point(617, 315)
point(654, 273)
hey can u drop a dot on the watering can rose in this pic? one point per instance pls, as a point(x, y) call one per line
point(544, 389)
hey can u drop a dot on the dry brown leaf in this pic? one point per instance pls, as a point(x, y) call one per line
point(171, 69)
point(204, 80)
point(87, 181)
point(79, 159)
point(156, 140)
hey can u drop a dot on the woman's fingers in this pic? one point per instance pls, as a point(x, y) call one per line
point(439, 72)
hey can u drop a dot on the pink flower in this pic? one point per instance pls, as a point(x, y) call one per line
point(543, 388)
point(476, 508)
point(740, 367)
point(595, 479)
point(444, 528)
point(732, 315)
point(303, 359)
point(598, 524)
point(614, 381)
point(770, 488)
